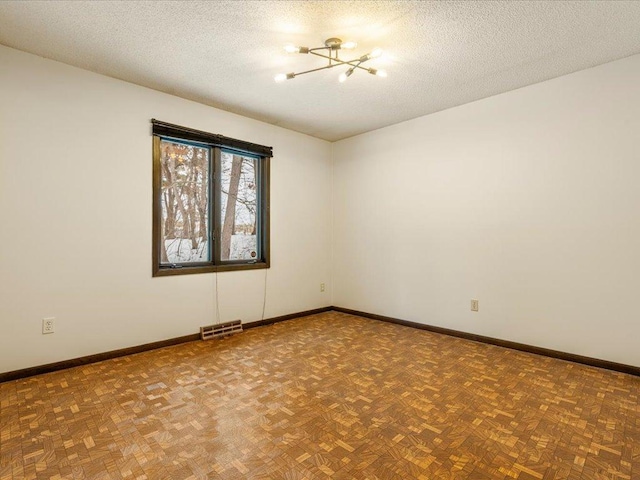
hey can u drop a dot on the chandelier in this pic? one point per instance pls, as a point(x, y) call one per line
point(330, 52)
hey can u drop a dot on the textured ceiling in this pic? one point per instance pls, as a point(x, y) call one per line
point(225, 54)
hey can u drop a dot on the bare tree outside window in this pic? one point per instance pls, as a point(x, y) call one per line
point(185, 203)
point(238, 206)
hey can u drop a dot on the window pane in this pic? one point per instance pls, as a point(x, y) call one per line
point(184, 202)
point(238, 207)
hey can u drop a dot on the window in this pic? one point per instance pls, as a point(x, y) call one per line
point(210, 202)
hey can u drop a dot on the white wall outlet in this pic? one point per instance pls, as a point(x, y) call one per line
point(474, 305)
point(322, 287)
point(48, 325)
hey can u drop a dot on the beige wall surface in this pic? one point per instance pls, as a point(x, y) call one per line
point(75, 209)
point(528, 201)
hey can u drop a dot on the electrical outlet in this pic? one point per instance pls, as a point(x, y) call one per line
point(474, 305)
point(322, 287)
point(48, 325)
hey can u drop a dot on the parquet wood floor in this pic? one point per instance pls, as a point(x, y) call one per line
point(326, 396)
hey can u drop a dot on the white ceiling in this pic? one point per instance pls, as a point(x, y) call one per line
point(226, 53)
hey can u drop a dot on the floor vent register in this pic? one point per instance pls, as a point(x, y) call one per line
point(220, 330)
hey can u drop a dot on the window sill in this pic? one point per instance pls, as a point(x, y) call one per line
point(232, 267)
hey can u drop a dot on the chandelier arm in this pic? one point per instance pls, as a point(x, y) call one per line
point(315, 70)
point(336, 61)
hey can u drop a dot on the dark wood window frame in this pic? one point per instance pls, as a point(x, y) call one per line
point(216, 144)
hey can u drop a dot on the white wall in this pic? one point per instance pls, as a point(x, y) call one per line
point(75, 218)
point(528, 201)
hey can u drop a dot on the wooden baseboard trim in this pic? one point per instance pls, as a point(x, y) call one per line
point(570, 357)
point(291, 316)
point(98, 357)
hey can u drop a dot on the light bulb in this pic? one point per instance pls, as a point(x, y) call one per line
point(281, 77)
point(345, 75)
point(376, 53)
point(291, 49)
point(379, 73)
point(348, 45)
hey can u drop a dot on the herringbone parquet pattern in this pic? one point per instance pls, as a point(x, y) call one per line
point(326, 396)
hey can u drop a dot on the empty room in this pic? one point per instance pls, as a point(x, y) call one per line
point(301, 240)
